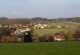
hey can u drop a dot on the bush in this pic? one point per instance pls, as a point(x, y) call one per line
point(43, 39)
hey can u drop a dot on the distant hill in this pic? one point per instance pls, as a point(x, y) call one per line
point(75, 19)
point(5, 20)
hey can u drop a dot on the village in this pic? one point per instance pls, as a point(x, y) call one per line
point(23, 33)
point(39, 27)
point(38, 32)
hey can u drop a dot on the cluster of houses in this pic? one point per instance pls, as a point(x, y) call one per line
point(40, 26)
point(23, 33)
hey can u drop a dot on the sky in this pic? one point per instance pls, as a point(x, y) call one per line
point(39, 8)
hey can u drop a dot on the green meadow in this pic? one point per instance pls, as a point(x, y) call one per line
point(49, 48)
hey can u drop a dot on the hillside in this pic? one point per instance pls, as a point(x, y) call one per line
point(37, 20)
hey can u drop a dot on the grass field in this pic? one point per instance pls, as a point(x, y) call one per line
point(47, 32)
point(51, 48)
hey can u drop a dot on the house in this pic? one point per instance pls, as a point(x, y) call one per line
point(22, 34)
point(59, 37)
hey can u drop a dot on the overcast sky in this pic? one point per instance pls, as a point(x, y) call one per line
point(39, 8)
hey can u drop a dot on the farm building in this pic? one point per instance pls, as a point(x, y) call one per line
point(59, 37)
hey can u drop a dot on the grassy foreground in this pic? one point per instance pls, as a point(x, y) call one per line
point(51, 48)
